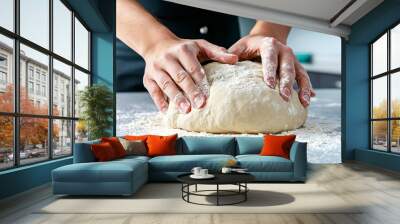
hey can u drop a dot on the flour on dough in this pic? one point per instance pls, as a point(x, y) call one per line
point(239, 102)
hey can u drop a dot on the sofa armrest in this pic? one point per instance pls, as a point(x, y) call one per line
point(298, 155)
point(83, 152)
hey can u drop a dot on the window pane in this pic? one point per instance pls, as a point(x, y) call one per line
point(395, 135)
point(395, 47)
point(34, 97)
point(379, 56)
point(6, 142)
point(81, 45)
point(35, 21)
point(81, 131)
point(33, 139)
point(7, 14)
point(6, 74)
point(62, 29)
point(379, 135)
point(81, 81)
point(62, 89)
point(395, 94)
point(379, 97)
point(62, 138)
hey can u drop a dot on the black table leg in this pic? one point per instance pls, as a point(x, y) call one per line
point(217, 194)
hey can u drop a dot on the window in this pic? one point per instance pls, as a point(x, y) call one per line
point(385, 94)
point(48, 78)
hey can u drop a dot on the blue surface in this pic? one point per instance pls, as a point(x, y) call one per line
point(249, 145)
point(257, 163)
point(83, 152)
point(80, 178)
point(24, 178)
point(185, 163)
point(206, 145)
point(355, 90)
point(378, 158)
point(119, 177)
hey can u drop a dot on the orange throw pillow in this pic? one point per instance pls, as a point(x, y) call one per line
point(136, 137)
point(161, 145)
point(277, 145)
point(116, 145)
point(103, 152)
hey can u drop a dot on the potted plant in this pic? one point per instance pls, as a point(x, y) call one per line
point(96, 103)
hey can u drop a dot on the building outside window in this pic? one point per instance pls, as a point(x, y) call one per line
point(56, 129)
point(385, 91)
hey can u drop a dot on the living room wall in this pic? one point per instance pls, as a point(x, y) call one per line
point(356, 99)
point(100, 17)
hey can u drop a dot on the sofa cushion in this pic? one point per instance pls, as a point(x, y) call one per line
point(103, 152)
point(161, 145)
point(112, 171)
point(185, 163)
point(257, 163)
point(249, 145)
point(277, 145)
point(197, 145)
point(83, 152)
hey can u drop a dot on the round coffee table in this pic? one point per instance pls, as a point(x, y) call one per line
point(238, 179)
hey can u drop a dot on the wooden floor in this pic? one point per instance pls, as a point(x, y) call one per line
point(377, 188)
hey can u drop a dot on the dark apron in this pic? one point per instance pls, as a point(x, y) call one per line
point(186, 22)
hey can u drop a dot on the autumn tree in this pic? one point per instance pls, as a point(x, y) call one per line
point(33, 131)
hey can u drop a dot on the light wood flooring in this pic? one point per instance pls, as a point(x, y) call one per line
point(377, 188)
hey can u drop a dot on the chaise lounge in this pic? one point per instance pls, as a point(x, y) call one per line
point(125, 176)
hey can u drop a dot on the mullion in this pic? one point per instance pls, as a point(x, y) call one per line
point(16, 130)
point(73, 80)
point(41, 49)
point(389, 106)
point(50, 87)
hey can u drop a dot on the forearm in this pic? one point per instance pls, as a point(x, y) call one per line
point(280, 32)
point(139, 29)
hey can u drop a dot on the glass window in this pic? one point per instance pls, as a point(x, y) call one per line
point(35, 21)
point(34, 80)
point(33, 140)
point(62, 137)
point(379, 135)
point(395, 136)
point(40, 62)
point(81, 82)
point(62, 72)
point(6, 142)
point(395, 47)
point(62, 29)
point(6, 73)
point(81, 131)
point(379, 56)
point(379, 98)
point(395, 95)
point(7, 14)
point(81, 45)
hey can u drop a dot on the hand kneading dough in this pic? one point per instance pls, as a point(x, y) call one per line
point(240, 102)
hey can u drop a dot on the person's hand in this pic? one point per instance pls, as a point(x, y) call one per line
point(173, 70)
point(278, 62)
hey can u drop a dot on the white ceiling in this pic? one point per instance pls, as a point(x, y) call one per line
point(326, 16)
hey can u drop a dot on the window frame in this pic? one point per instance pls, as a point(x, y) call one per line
point(16, 114)
point(388, 74)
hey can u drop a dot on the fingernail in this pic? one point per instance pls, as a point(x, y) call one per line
point(199, 101)
point(270, 82)
point(184, 106)
point(286, 92)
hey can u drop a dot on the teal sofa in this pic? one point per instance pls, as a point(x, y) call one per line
point(125, 176)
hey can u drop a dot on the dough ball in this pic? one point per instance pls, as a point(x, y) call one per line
point(239, 102)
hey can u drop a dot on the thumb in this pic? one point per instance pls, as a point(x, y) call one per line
point(237, 48)
point(217, 53)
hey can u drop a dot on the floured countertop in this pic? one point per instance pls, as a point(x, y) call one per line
point(136, 114)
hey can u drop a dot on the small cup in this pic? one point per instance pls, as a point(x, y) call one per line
point(226, 170)
point(203, 172)
point(196, 171)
